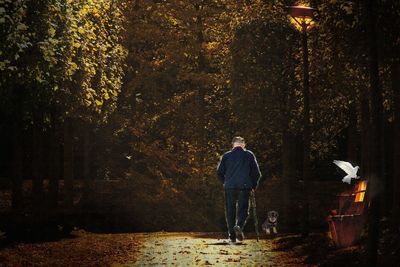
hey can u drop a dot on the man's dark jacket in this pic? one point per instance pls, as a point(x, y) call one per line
point(238, 169)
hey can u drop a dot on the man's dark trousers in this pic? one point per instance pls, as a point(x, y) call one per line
point(241, 197)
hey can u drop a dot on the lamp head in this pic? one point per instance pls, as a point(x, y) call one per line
point(301, 16)
point(301, 11)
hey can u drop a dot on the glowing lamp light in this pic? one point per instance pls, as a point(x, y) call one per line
point(301, 17)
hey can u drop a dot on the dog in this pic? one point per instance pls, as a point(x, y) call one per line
point(271, 223)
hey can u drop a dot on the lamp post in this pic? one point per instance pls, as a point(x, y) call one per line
point(302, 17)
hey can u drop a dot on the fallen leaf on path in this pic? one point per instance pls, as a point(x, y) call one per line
point(232, 260)
point(223, 252)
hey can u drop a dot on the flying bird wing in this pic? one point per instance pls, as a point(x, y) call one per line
point(346, 166)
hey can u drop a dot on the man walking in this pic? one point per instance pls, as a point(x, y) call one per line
point(239, 171)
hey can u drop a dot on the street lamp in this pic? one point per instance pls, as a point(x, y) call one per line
point(302, 18)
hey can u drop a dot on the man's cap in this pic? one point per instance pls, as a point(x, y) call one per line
point(238, 139)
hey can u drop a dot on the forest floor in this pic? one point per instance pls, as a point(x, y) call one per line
point(204, 249)
point(82, 248)
point(146, 249)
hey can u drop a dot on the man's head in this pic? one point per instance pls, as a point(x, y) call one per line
point(238, 141)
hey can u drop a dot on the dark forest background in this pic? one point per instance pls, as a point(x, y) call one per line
point(114, 114)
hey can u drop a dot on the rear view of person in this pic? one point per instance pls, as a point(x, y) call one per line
point(240, 173)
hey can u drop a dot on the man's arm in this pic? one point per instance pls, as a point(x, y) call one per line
point(255, 173)
point(221, 169)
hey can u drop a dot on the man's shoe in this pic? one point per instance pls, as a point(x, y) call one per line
point(230, 242)
point(239, 233)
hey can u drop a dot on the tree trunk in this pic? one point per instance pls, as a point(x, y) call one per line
point(365, 135)
point(352, 136)
point(288, 178)
point(68, 162)
point(54, 173)
point(376, 182)
point(86, 159)
point(17, 167)
point(396, 152)
point(37, 160)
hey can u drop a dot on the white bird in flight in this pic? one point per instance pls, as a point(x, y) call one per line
point(349, 169)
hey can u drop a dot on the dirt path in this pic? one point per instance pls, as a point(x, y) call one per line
point(145, 249)
point(202, 249)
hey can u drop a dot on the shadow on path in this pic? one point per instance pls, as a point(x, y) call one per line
point(225, 244)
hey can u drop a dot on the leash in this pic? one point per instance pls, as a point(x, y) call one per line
point(254, 208)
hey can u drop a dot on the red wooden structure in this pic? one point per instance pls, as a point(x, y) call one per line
point(347, 221)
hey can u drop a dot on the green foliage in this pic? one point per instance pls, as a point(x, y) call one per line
point(69, 52)
point(16, 37)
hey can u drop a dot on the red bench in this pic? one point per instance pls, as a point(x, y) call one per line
point(347, 221)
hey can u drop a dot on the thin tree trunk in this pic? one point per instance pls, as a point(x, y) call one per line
point(376, 182)
point(288, 178)
point(68, 162)
point(396, 152)
point(352, 136)
point(17, 167)
point(37, 160)
point(365, 134)
point(54, 174)
point(86, 159)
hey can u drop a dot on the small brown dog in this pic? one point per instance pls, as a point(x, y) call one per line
point(271, 223)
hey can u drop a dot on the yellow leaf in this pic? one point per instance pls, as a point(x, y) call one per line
point(85, 9)
point(52, 32)
point(106, 96)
